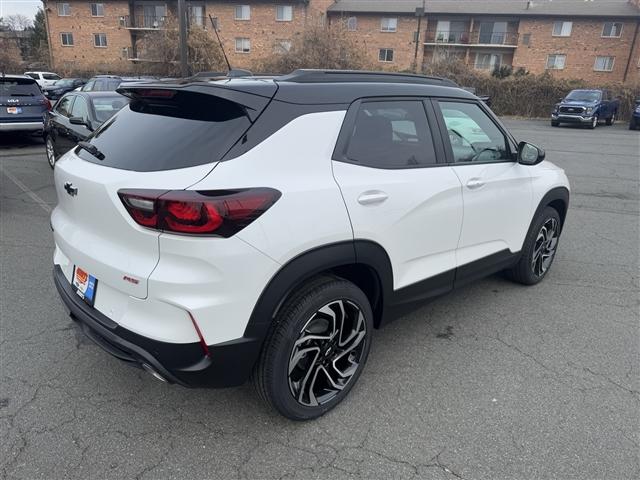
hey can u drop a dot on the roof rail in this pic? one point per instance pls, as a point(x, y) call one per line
point(347, 76)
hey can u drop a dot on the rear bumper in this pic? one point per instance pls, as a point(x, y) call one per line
point(21, 126)
point(229, 363)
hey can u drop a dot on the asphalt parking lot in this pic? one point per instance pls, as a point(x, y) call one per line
point(494, 381)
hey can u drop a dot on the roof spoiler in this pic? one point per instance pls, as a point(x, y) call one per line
point(348, 76)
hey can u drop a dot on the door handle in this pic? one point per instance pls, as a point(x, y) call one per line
point(372, 197)
point(475, 183)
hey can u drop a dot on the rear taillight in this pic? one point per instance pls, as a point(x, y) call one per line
point(220, 212)
point(45, 101)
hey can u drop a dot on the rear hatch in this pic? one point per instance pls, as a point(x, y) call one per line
point(21, 100)
point(168, 138)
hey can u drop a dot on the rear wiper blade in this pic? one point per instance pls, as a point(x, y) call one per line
point(92, 149)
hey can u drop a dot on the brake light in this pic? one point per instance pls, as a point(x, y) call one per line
point(220, 213)
point(45, 101)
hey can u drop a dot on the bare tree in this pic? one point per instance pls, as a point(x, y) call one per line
point(18, 22)
point(10, 58)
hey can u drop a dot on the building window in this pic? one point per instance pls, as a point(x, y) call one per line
point(282, 46)
point(100, 40)
point(196, 15)
point(352, 24)
point(389, 25)
point(243, 45)
point(97, 9)
point(612, 29)
point(125, 52)
point(556, 62)
point(64, 9)
point(284, 13)
point(562, 29)
point(385, 55)
point(66, 39)
point(604, 64)
point(488, 61)
point(526, 39)
point(243, 12)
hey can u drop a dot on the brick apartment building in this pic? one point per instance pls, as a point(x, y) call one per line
point(597, 40)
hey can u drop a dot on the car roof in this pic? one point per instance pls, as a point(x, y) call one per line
point(17, 77)
point(100, 94)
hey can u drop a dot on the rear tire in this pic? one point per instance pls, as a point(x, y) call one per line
point(555, 124)
point(316, 349)
point(633, 125)
point(539, 248)
point(612, 119)
point(50, 151)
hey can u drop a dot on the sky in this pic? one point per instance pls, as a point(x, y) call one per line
point(25, 7)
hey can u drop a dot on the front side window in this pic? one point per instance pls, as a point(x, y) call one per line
point(107, 107)
point(385, 55)
point(352, 24)
point(63, 107)
point(100, 40)
point(66, 39)
point(391, 134)
point(604, 64)
point(97, 9)
point(556, 61)
point(612, 29)
point(50, 76)
point(472, 134)
point(243, 12)
point(389, 25)
point(64, 9)
point(284, 13)
point(562, 29)
point(243, 45)
point(79, 109)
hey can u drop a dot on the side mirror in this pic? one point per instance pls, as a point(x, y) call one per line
point(529, 154)
point(81, 121)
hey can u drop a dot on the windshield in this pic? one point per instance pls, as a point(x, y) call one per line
point(18, 87)
point(64, 83)
point(584, 96)
point(106, 107)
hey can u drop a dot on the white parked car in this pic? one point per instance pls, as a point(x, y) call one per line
point(216, 231)
point(44, 79)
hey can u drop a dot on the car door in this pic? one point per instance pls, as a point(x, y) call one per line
point(497, 191)
point(80, 109)
point(397, 194)
point(60, 125)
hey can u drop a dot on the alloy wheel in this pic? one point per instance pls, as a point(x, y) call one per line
point(594, 122)
point(327, 353)
point(51, 155)
point(545, 247)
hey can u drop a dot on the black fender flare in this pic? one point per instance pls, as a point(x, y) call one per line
point(552, 196)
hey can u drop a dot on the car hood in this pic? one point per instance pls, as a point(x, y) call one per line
point(577, 103)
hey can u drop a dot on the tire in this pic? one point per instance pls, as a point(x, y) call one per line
point(594, 122)
point(612, 119)
point(555, 124)
point(50, 151)
point(632, 124)
point(291, 374)
point(527, 271)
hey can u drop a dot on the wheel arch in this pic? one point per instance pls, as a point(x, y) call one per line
point(557, 198)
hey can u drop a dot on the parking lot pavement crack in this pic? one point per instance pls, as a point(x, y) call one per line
point(635, 393)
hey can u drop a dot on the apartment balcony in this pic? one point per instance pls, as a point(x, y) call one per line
point(144, 22)
point(471, 39)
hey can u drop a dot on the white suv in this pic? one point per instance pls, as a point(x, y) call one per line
point(220, 229)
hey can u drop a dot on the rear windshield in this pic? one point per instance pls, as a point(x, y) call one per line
point(107, 107)
point(18, 87)
point(187, 130)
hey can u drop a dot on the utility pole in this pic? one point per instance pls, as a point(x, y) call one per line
point(182, 19)
point(419, 14)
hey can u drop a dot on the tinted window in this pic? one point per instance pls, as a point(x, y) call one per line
point(33, 75)
point(391, 134)
point(472, 134)
point(63, 107)
point(79, 108)
point(106, 107)
point(50, 76)
point(189, 129)
point(18, 87)
point(88, 86)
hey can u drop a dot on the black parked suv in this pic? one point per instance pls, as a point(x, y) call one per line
point(109, 83)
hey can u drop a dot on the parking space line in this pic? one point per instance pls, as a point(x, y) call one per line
point(44, 205)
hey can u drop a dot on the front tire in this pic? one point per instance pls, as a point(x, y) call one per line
point(316, 350)
point(594, 122)
point(632, 125)
point(51, 152)
point(555, 123)
point(539, 248)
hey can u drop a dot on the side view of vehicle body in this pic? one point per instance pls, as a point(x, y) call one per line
point(586, 107)
point(22, 104)
point(75, 116)
point(44, 79)
point(216, 230)
point(634, 121)
point(62, 86)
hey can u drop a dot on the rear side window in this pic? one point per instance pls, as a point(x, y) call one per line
point(50, 76)
point(18, 87)
point(165, 134)
point(107, 107)
point(393, 134)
